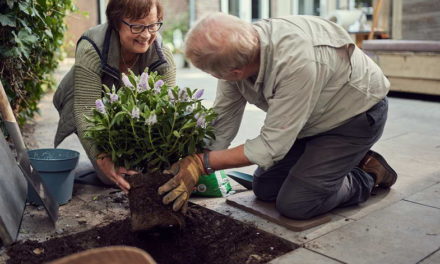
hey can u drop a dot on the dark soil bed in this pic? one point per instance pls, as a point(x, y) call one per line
point(208, 237)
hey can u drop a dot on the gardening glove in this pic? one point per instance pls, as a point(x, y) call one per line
point(186, 173)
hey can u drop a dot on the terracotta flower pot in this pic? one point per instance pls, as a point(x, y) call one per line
point(146, 208)
point(108, 255)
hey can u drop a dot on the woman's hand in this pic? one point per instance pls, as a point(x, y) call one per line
point(116, 175)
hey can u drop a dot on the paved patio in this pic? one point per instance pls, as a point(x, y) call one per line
point(401, 225)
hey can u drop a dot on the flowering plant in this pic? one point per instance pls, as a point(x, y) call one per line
point(147, 125)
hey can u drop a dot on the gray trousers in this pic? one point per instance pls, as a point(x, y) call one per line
point(320, 173)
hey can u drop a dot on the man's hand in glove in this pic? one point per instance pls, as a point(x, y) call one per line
point(186, 173)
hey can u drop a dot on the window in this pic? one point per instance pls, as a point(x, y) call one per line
point(234, 7)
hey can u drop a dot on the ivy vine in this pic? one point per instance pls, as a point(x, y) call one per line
point(31, 36)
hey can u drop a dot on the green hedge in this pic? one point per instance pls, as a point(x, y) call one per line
point(31, 35)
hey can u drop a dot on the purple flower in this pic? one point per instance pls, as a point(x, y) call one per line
point(135, 113)
point(158, 84)
point(126, 81)
point(113, 97)
point(100, 106)
point(201, 121)
point(151, 120)
point(143, 83)
point(198, 94)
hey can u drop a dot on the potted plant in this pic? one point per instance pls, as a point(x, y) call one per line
point(147, 126)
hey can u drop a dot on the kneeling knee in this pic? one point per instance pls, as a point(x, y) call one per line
point(295, 210)
point(264, 195)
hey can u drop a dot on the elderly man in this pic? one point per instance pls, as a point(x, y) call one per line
point(325, 102)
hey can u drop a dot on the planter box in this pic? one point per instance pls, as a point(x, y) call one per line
point(410, 65)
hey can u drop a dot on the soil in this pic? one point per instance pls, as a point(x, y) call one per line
point(146, 208)
point(208, 237)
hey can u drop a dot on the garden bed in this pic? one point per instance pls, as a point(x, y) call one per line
point(208, 237)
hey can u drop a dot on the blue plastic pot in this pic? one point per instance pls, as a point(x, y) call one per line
point(55, 167)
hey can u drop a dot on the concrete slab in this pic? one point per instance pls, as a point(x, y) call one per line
point(301, 256)
point(379, 201)
point(419, 146)
point(402, 233)
point(432, 259)
point(248, 202)
point(406, 185)
point(429, 197)
point(74, 217)
point(415, 157)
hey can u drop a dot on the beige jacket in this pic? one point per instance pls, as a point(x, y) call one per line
point(312, 78)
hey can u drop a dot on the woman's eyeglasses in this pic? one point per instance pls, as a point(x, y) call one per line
point(139, 28)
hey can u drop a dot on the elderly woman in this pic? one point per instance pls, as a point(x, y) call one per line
point(128, 41)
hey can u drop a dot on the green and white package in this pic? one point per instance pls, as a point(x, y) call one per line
point(213, 185)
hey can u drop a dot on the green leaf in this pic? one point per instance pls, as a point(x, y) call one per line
point(7, 20)
point(24, 7)
point(175, 133)
point(10, 3)
point(27, 37)
point(117, 118)
point(189, 124)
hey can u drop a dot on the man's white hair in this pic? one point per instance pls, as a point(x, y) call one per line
point(219, 43)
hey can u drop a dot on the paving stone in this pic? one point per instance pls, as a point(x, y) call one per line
point(417, 146)
point(74, 216)
point(301, 256)
point(429, 197)
point(88, 193)
point(415, 175)
point(432, 259)
point(402, 233)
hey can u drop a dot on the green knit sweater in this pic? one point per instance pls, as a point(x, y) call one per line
point(88, 87)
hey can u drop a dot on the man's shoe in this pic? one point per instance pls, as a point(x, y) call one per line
point(376, 165)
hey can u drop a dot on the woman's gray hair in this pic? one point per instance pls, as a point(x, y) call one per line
point(219, 43)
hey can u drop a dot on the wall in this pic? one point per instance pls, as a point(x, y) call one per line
point(416, 19)
point(206, 6)
point(78, 22)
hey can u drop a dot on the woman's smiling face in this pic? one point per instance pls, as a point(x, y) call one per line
point(137, 43)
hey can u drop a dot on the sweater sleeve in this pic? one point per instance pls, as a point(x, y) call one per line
point(169, 76)
point(87, 79)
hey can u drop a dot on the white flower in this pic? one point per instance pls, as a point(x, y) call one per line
point(151, 120)
point(183, 95)
point(135, 113)
point(126, 81)
point(171, 95)
point(189, 109)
